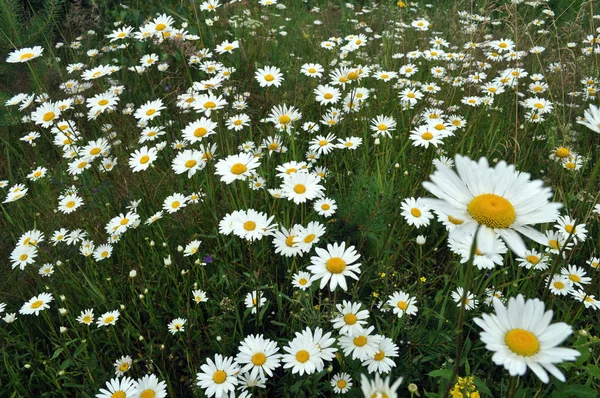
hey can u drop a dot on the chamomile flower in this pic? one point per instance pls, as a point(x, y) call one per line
point(24, 54)
point(269, 76)
point(576, 275)
point(174, 203)
point(150, 386)
point(69, 203)
point(325, 207)
point(142, 158)
point(350, 318)
point(188, 160)
point(36, 304)
point(533, 259)
point(176, 325)
point(255, 300)
point(334, 264)
point(122, 365)
point(199, 296)
point(302, 280)
point(86, 317)
point(382, 362)
point(402, 303)
point(300, 187)
point(568, 227)
point(521, 337)
point(108, 318)
point(46, 270)
point(149, 110)
point(591, 118)
point(362, 346)
point(341, 383)
point(491, 202)
point(470, 302)
point(258, 356)
point(379, 387)
point(236, 167)
point(121, 388)
point(302, 355)
point(415, 212)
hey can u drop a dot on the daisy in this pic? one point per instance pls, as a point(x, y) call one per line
point(350, 318)
point(173, 203)
point(36, 304)
point(254, 300)
point(149, 110)
point(86, 317)
point(102, 252)
point(568, 227)
point(415, 212)
point(312, 70)
point(286, 242)
point(591, 118)
point(122, 388)
point(149, 386)
point(300, 187)
point(383, 125)
point(282, 117)
point(576, 275)
point(533, 259)
point(350, 143)
point(594, 262)
point(382, 361)
point(491, 202)
point(21, 256)
point(402, 303)
point(236, 167)
point(521, 337)
point(302, 355)
point(361, 346)
point(341, 383)
point(24, 54)
point(482, 260)
point(334, 264)
point(142, 158)
point(269, 76)
point(379, 387)
point(325, 94)
point(122, 365)
point(108, 318)
point(46, 270)
point(323, 145)
point(46, 114)
point(237, 122)
point(589, 301)
point(69, 203)
point(199, 296)
point(559, 285)
point(176, 325)
point(189, 161)
point(209, 103)
point(218, 377)
point(259, 356)
point(302, 280)
point(470, 301)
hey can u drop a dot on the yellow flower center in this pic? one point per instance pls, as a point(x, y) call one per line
point(210, 105)
point(95, 151)
point(341, 384)
point(402, 305)
point(109, 319)
point(118, 394)
point(415, 212)
point(269, 77)
point(289, 241)
point(70, 204)
point(410, 95)
point(48, 116)
point(273, 146)
point(335, 265)
point(124, 366)
point(175, 204)
point(440, 126)
point(360, 341)
point(238, 168)
point(302, 281)
point(285, 119)
point(219, 377)
point(23, 257)
point(249, 225)
point(427, 136)
point(323, 142)
point(502, 45)
point(309, 238)
point(379, 356)
point(522, 342)
point(190, 163)
point(37, 304)
point(26, 56)
point(200, 132)
point(574, 278)
point(102, 102)
point(150, 112)
point(492, 211)
point(161, 26)
point(259, 359)
point(384, 76)
point(144, 159)
point(302, 356)
point(325, 206)
point(328, 96)
point(350, 319)
point(312, 70)
point(382, 127)
point(228, 48)
point(238, 122)
point(570, 228)
point(352, 76)
point(533, 259)
point(562, 152)
point(299, 188)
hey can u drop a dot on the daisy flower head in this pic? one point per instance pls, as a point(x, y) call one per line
point(199, 296)
point(591, 118)
point(142, 158)
point(521, 337)
point(108, 318)
point(24, 54)
point(362, 346)
point(236, 167)
point(402, 303)
point(46, 114)
point(21, 256)
point(269, 76)
point(482, 260)
point(188, 160)
point(122, 365)
point(254, 300)
point(125, 387)
point(282, 117)
point(559, 285)
point(300, 187)
point(489, 202)
point(576, 275)
point(382, 361)
point(415, 212)
point(533, 259)
point(383, 125)
point(174, 203)
point(334, 264)
point(589, 301)
point(470, 301)
point(247, 224)
point(302, 280)
point(302, 355)
point(36, 304)
point(568, 227)
point(176, 326)
point(312, 70)
point(594, 262)
point(341, 383)
point(150, 386)
point(149, 110)
point(258, 355)
point(379, 387)
point(218, 377)
point(350, 318)
point(46, 270)
point(323, 145)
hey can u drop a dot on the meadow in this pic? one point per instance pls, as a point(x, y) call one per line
point(285, 198)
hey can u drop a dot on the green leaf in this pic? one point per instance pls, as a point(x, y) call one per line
point(580, 391)
point(482, 387)
point(594, 371)
point(443, 373)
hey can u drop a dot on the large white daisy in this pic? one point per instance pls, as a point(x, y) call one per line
point(488, 202)
point(521, 336)
point(335, 264)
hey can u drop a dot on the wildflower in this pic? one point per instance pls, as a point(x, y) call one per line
point(402, 303)
point(218, 377)
point(24, 54)
point(36, 304)
point(176, 325)
point(334, 264)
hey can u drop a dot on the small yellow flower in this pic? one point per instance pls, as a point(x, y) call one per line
point(382, 275)
point(423, 279)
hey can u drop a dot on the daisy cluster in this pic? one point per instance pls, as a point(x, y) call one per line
point(157, 121)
